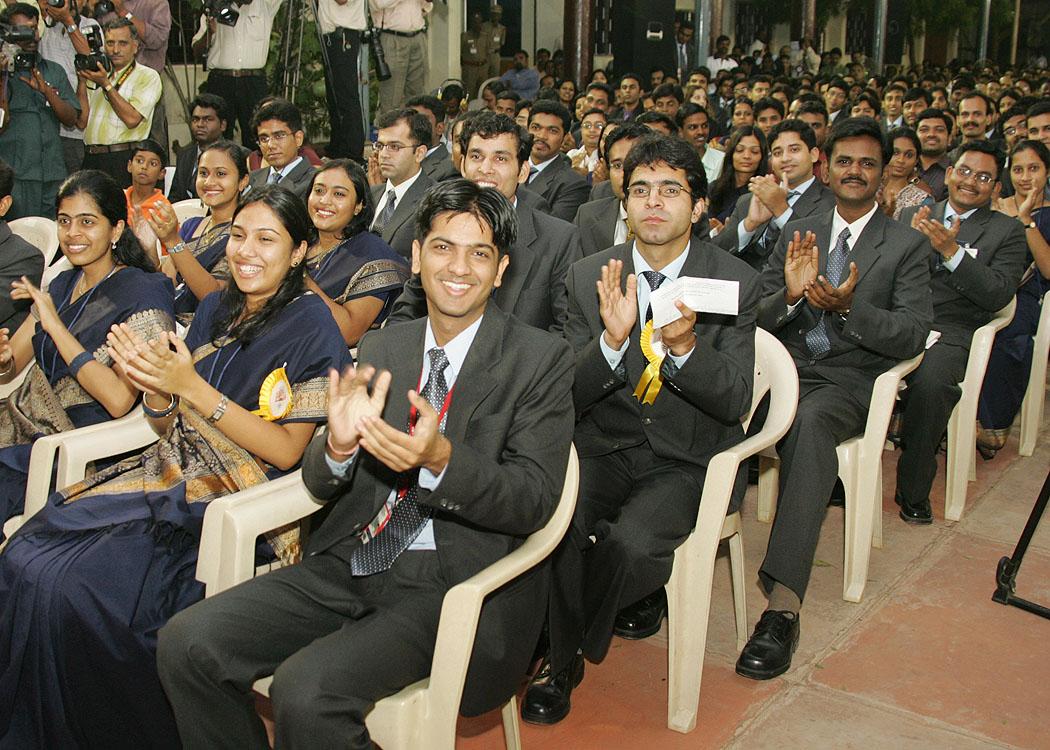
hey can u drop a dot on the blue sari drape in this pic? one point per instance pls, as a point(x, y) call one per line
point(86, 583)
point(210, 251)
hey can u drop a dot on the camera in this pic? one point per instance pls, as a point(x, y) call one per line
point(371, 37)
point(17, 34)
point(56, 3)
point(102, 7)
point(96, 57)
point(26, 61)
point(224, 11)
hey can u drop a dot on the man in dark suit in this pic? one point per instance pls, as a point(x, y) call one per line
point(17, 259)
point(976, 258)
point(437, 164)
point(550, 171)
point(603, 221)
point(495, 154)
point(644, 444)
point(413, 513)
point(791, 192)
point(278, 127)
point(208, 117)
point(847, 292)
point(402, 142)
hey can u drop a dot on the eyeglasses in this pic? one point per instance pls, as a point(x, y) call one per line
point(642, 190)
point(393, 148)
point(982, 177)
point(275, 137)
point(592, 126)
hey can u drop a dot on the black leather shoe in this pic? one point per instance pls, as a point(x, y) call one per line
point(768, 652)
point(547, 697)
point(838, 495)
point(917, 513)
point(642, 619)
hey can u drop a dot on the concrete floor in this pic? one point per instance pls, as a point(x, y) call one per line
point(927, 660)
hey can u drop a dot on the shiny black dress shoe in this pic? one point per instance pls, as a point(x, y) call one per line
point(547, 697)
point(918, 513)
point(768, 652)
point(642, 619)
point(838, 495)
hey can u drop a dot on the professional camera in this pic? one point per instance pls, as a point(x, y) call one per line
point(371, 37)
point(57, 3)
point(102, 7)
point(17, 34)
point(96, 57)
point(224, 11)
point(26, 61)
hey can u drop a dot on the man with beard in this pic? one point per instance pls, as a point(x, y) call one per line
point(933, 129)
point(847, 292)
point(209, 116)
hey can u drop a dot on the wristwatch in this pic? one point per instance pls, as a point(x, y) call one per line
point(108, 87)
point(178, 247)
point(71, 28)
point(129, 16)
point(220, 409)
point(1031, 225)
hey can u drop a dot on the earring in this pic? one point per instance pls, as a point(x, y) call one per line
point(113, 246)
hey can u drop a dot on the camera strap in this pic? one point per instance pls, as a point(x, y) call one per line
point(124, 76)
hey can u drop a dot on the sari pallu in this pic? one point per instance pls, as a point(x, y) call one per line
point(86, 583)
point(50, 400)
point(210, 251)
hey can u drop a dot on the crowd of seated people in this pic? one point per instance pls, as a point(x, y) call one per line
point(454, 310)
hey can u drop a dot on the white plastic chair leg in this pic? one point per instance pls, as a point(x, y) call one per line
point(736, 570)
point(1032, 406)
point(860, 515)
point(687, 619)
point(876, 520)
point(768, 485)
point(960, 461)
point(511, 731)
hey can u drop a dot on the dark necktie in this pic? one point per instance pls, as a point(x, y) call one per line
point(772, 234)
point(274, 177)
point(533, 171)
point(407, 517)
point(817, 337)
point(655, 279)
point(388, 212)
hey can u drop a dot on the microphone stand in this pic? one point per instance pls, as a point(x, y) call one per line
point(1006, 571)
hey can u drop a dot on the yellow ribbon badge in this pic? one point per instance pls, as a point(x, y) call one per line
point(275, 396)
point(649, 384)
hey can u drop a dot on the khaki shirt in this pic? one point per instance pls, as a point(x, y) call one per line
point(473, 47)
point(495, 36)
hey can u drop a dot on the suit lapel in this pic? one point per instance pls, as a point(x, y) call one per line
point(868, 247)
point(606, 222)
point(476, 381)
point(522, 256)
point(406, 207)
point(971, 229)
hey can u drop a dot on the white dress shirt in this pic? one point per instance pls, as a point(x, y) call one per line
point(246, 45)
point(331, 15)
point(952, 263)
point(399, 194)
point(620, 235)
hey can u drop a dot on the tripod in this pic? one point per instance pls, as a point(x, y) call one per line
point(1008, 567)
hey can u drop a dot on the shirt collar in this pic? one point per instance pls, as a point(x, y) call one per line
point(802, 187)
point(456, 350)
point(400, 190)
point(672, 270)
point(542, 165)
point(838, 224)
point(282, 173)
point(623, 212)
point(949, 212)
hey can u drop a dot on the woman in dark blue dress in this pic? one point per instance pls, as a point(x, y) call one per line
point(87, 582)
point(72, 381)
point(355, 272)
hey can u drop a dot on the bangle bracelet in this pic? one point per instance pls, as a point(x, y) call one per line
point(160, 413)
point(336, 451)
point(9, 366)
point(79, 361)
point(220, 409)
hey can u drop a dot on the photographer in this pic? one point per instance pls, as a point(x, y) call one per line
point(341, 23)
point(236, 55)
point(121, 103)
point(36, 97)
point(403, 32)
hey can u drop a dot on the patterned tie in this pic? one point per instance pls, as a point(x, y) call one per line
point(274, 177)
point(772, 234)
point(388, 212)
point(817, 337)
point(408, 517)
point(655, 279)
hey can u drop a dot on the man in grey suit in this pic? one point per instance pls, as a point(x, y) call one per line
point(550, 171)
point(402, 141)
point(791, 192)
point(603, 221)
point(17, 259)
point(976, 258)
point(278, 127)
point(437, 164)
point(644, 444)
point(495, 154)
point(847, 292)
point(428, 485)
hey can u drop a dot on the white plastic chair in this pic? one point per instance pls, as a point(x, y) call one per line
point(860, 469)
point(40, 232)
point(962, 425)
point(423, 715)
point(189, 208)
point(689, 589)
point(1035, 394)
point(50, 272)
point(169, 177)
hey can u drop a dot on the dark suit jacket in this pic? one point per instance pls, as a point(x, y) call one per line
point(438, 166)
point(532, 199)
point(561, 187)
point(597, 222)
point(891, 311)
point(968, 297)
point(401, 229)
point(602, 190)
point(510, 424)
point(817, 198)
point(298, 180)
point(698, 410)
point(17, 259)
point(533, 287)
point(184, 182)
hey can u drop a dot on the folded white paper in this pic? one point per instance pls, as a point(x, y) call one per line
point(717, 296)
point(932, 339)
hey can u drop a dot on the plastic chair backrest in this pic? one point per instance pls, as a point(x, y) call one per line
point(189, 208)
point(40, 232)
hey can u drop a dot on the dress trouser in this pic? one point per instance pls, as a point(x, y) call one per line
point(407, 58)
point(335, 644)
point(827, 415)
point(242, 94)
point(115, 164)
point(343, 93)
point(931, 395)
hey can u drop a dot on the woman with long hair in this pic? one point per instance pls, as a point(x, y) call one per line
point(745, 158)
point(567, 93)
point(353, 271)
point(88, 581)
point(72, 381)
point(901, 186)
point(196, 259)
point(1006, 378)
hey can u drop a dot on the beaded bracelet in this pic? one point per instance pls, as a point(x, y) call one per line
point(79, 361)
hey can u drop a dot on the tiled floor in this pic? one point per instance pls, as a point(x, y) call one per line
point(927, 660)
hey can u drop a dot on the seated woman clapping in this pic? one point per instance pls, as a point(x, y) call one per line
point(72, 381)
point(86, 583)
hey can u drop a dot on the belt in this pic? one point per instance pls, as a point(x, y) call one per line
point(242, 73)
point(408, 34)
point(480, 62)
point(112, 149)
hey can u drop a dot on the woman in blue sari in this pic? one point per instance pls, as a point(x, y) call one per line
point(1006, 378)
point(196, 259)
point(86, 583)
point(355, 272)
point(72, 381)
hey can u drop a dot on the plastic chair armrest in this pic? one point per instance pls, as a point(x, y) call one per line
point(81, 447)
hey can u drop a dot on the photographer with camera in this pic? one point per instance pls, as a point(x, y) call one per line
point(235, 35)
point(402, 31)
point(341, 23)
point(121, 101)
point(35, 97)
